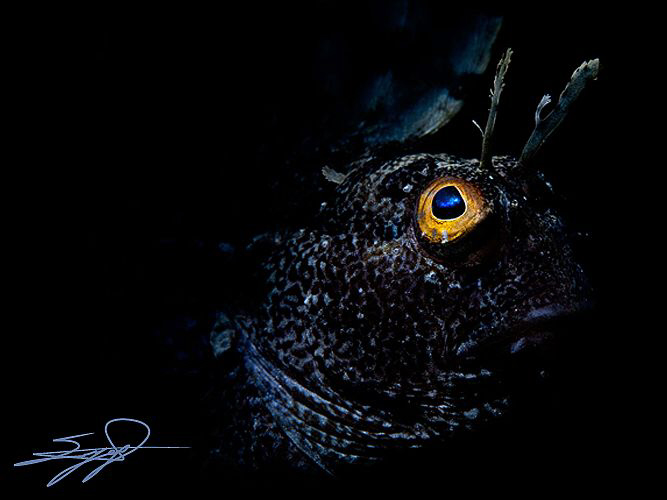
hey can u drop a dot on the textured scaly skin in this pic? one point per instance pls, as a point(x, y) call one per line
point(369, 339)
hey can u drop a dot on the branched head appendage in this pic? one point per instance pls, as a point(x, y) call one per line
point(498, 85)
point(544, 127)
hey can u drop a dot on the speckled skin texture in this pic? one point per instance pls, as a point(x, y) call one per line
point(369, 339)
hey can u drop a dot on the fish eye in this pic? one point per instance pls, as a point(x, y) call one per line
point(448, 209)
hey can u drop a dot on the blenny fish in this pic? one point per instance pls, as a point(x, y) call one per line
point(389, 322)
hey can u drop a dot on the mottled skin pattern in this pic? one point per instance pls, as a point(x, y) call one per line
point(370, 339)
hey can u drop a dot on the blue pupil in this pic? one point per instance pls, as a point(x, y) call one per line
point(448, 203)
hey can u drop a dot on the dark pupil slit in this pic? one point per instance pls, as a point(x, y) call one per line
point(448, 203)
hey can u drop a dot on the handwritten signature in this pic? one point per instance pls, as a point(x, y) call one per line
point(85, 455)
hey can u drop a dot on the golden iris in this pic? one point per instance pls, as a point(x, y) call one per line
point(449, 208)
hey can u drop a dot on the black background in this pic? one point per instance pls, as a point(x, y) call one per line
point(134, 134)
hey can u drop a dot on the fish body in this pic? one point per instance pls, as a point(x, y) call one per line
point(371, 337)
point(393, 317)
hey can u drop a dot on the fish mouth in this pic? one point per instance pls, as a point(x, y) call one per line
point(538, 333)
point(545, 325)
point(534, 359)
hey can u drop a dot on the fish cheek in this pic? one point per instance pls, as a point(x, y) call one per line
point(393, 329)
